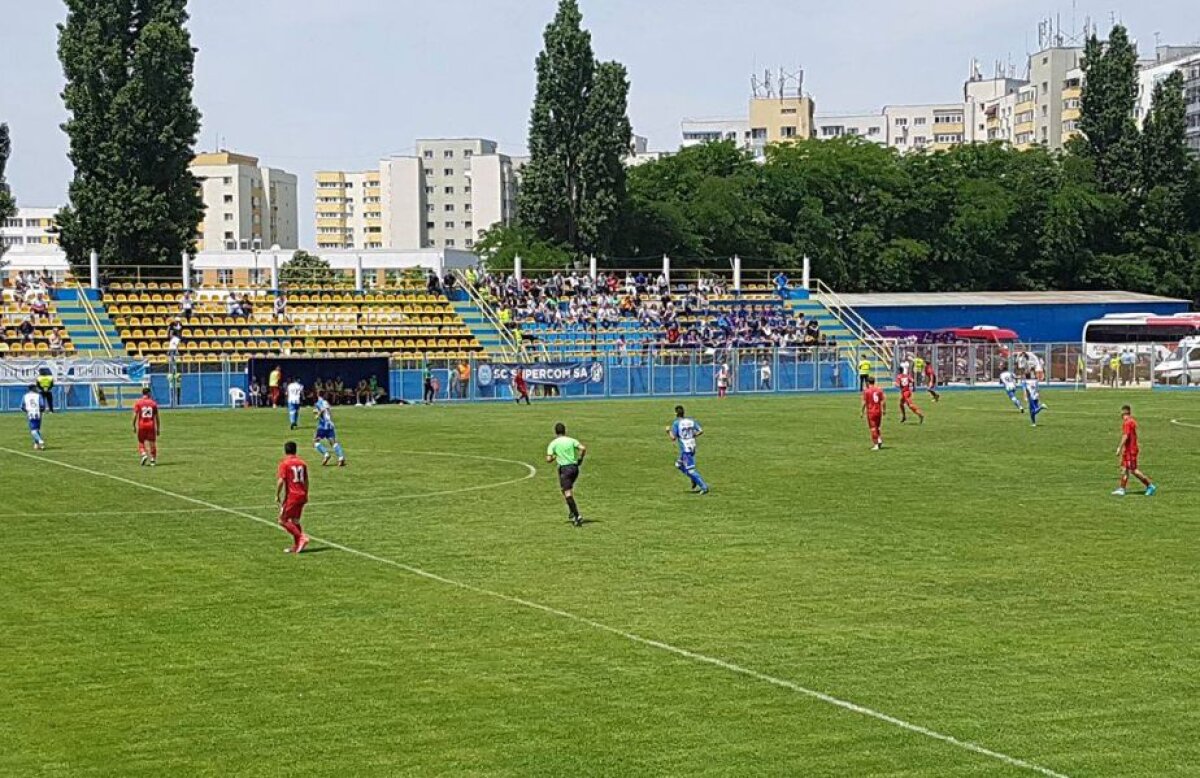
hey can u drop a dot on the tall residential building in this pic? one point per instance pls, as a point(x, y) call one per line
point(30, 227)
point(868, 126)
point(1169, 59)
point(444, 197)
point(775, 114)
point(245, 206)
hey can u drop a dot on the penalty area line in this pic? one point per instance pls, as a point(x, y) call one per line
point(669, 648)
point(1182, 423)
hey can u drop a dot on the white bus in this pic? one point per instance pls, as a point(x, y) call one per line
point(1164, 348)
point(1121, 328)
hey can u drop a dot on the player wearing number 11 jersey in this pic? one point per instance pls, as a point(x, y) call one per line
point(291, 492)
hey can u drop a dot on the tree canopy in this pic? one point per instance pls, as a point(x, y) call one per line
point(8, 205)
point(132, 129)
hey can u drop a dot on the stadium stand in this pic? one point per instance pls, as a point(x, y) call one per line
point(32, 330)
point(400, 322)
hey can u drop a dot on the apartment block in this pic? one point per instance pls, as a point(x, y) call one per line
point(444, 197)
point(869, 126)
point(1169, 59)
point(30, 227)
point(245, 206)
point(768, 120)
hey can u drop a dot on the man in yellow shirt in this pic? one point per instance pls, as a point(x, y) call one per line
point(273, 382)
point(464, 378)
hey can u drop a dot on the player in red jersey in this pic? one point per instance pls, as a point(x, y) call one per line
point(520, 386)
point(874, 404)
point(291, 493)
point(146, 426)
point(931, 382)
point(905, 382)
point(1127, 454)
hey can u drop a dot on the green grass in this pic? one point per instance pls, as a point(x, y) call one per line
point(975, 578)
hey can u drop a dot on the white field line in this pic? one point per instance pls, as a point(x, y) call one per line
point(531, 472)
point(1182, 423)
point(694, 656)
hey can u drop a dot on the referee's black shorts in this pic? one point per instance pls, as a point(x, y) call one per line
point(567, 475)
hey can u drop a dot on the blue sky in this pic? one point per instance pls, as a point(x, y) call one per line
point(309, 85)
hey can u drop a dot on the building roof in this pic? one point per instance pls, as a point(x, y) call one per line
point(1000, 298)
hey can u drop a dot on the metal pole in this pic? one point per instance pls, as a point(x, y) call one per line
point(592, 266)
point(807, 273)
point(187, 271)
point(737, 274)
point(358, 273)
point(517, 267)
point(667, 268)
point(274, 272)
point(94, 264)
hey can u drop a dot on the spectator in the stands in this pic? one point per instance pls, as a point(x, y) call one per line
point(279, 309)
point(232, 307)
point(39, 308)
point(26, 329)
point(175, 328)
point(433, 284)
point(781, 284)
point(56, 343)
point(246, 306)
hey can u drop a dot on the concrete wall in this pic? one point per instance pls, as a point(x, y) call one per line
point(1060, 323)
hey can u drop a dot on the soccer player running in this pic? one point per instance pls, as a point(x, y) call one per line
point(931, 382)
point(295, 396)
point(904, 380)
point(685, 431)
point(874, 405)
point(146, 426)
point(32, 404)
point(520, 386)
point(568, 453)
point(326, 435)
point(1033, 396)
point(1009, 382)
point(1127, 455)
point(291, 494)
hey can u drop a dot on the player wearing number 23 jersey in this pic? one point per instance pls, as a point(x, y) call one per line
point(146, 425)
point(291, 492)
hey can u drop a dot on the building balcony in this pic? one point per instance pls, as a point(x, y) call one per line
point(1021, 128)
point(331, 178)
point(1072, 92)
point(946, 128)
point(1070, 113)
point(1028, 105)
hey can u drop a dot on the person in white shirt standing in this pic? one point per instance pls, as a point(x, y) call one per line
point(32, 404)
point(295, 395)
point(764, 377)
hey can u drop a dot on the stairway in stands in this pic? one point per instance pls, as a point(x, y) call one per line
point(482, 328)
point(839, 328)
point(88, 341)
point(77, 307)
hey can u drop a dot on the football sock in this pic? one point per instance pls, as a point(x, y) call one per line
point(320, 447)
point(37, 437)
point(573, 507)
point(337, 449)
point(698, 480)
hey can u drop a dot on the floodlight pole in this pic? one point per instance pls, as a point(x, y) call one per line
point(186, 266)
point(737, 274)
point(94, 266)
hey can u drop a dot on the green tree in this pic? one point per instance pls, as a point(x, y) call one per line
point(1109, 134)
point(500, 246)
point(8, 205)
point(306, 271)
point(132, 129)
point(573, 189)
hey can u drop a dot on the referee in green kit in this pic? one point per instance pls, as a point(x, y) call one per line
point(569, 454)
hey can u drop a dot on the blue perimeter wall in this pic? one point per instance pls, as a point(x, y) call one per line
point(1037, 323)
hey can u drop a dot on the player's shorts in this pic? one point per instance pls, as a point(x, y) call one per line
point(1011, 392)
point(293, 407)
point(687, 460)
point(567, 475)
point(325, 433)
point(874, 420)
point(292, 509)
point(35, 423)
point(146, 435)
point(1129, 460)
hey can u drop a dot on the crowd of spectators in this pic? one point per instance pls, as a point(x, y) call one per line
point(681, 315)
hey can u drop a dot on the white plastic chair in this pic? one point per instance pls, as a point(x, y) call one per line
point(237, 397)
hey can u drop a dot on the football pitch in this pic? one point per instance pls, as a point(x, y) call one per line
point(970, 601)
